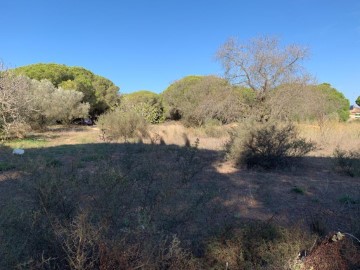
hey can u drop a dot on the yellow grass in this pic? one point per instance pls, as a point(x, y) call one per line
point(333, 134)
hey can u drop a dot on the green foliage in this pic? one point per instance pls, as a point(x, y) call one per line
point(28, 103)
point(347, 199)
point(6, 166)
point(146, 103)
point(358, 101)
point(335, 101)
point(347, 162)
point(52, 104)
point(302, 102)
point(267, 145)
point(120, 124)
point(99, 92)
point(197, 99)
point(173, 96)
point(298, 190)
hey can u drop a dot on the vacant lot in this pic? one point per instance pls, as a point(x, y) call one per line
point(162, 204)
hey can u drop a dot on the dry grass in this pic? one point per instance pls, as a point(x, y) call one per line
point(333, 134)
point(327, 201)
point(175, 133)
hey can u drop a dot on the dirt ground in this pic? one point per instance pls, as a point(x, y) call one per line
point(311, 194)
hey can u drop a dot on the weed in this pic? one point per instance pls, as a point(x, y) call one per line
point(298, 190)
point(347, 162)
point(6, 166)
point(347, 199)
point(54, 163)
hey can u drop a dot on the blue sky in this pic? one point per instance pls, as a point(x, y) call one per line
point(148, 44)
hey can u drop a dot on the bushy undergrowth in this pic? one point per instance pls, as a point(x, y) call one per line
point(258, 246)
point(124, 125)
point(128, 212)
point(115, 214)
point(267, 145)
point(348, 162)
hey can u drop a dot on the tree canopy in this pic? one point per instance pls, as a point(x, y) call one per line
point(198, 99)
point(28, 103)
point(308, 102)
point(358, 101)
point(98, 91)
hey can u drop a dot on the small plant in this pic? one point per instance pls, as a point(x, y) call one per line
point(4, 166)
point(298, 190)
point(268, 146)
point(347, 199)
point(347, 162)
point(54, 163)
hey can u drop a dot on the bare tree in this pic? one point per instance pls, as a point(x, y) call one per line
point(262, 64)
point(15, 104)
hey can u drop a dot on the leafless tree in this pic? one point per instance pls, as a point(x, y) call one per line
point(14, 104)
point(262, 64)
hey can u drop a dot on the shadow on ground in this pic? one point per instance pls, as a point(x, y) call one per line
point(126, 189)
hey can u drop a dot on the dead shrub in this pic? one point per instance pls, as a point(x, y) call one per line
point(267, 145)
point(257, 246)
point(347, 162)
point(330, 253)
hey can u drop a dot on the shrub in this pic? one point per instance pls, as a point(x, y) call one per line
point(257, 246)
point(267, 145)
point(147, 104)
point(122, 125)
point(347, 162)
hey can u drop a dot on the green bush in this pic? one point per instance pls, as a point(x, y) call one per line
point(347, 162)
point(267, 145)
point(147, 104)
point(197, 100)
point(117, 125)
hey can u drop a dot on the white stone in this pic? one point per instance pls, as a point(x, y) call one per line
point(18, 151)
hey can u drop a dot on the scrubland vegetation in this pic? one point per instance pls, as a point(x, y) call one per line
point(256, 170)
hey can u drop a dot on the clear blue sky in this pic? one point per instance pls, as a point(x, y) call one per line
point(147, 44)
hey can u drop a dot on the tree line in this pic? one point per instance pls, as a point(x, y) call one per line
point(262, 80)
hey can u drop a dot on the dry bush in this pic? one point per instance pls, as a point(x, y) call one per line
point(347, 162)
point(257, 246)
point(137, 209)
point(142, 251)
point(267, 145)
point(332, 254)
point(118, 124)
point(15, 105)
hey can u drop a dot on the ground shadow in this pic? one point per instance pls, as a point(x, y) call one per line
point(181, 191)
